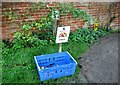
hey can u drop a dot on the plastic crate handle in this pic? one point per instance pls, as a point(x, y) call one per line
point(36, 63)
point(72, 58)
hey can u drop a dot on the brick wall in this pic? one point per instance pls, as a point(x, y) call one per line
point(0, 21)
point(9, 26)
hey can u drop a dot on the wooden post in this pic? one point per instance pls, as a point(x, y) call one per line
point(60, 47)
point(54, 26)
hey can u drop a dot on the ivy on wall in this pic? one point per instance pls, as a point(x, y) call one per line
point(46, 21)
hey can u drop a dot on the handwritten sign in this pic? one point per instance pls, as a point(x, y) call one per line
point(62, 34)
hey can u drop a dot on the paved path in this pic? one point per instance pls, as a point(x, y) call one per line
point(100, 63)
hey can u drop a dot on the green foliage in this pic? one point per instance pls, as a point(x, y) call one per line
point(25, 38)
point(86, 35)
point(19, 67)
point(2, 45)
point(22, 40)
point(78, 13)
point(43, 24)
point(18, 55)
point(26, 27)
point(11, 15)
point(46, 22)
point(19, 64)
point(4, 48)
point(47, 36)
point(66, 8)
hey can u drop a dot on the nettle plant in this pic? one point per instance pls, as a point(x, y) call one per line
point(87, 35)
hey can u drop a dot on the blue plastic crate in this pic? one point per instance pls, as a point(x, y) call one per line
point(53, 66)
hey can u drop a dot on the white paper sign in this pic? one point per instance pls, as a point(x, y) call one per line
point(62, 34)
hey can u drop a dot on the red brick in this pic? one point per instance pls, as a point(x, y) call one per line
point(19, 7)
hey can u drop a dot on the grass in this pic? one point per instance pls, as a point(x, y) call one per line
point(0, 65)
point(19, 67)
